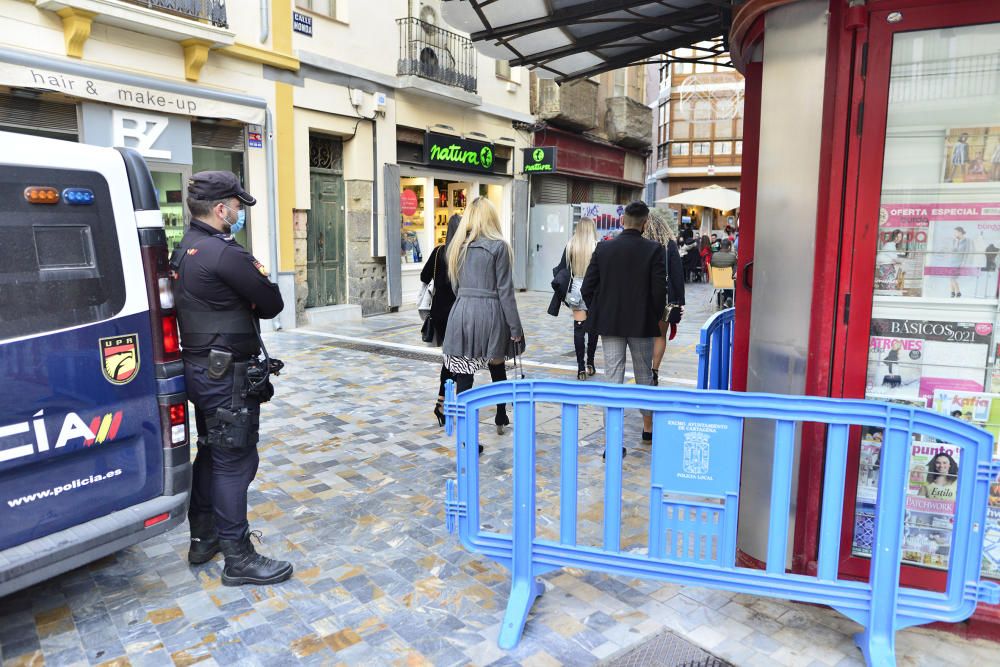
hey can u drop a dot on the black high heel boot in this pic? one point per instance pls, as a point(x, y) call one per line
point(498, 373)
point(501, 420)
point(439, 413)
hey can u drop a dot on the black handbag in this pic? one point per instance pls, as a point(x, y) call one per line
point(428, 333)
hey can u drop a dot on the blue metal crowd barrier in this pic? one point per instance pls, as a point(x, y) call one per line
point(693, 500)
point(715, 351)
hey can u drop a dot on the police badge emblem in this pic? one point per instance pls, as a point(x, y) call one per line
point(120, 358)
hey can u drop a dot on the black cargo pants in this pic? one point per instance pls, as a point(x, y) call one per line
point(227, 459)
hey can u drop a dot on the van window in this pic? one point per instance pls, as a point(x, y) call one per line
point(60, 264)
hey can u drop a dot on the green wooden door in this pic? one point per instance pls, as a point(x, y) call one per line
point(326, 270)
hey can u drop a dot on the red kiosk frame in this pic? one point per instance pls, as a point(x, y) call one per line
point(855, 105)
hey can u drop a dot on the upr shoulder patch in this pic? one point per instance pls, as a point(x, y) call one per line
point(260, 267)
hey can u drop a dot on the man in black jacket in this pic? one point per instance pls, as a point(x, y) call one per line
point(220, 291)
point(625, 289)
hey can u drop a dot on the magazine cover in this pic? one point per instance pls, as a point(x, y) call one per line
point(991, 537)
point(930, 504)
point(983, 410)
point(930, 501)
point(965, 157)
point(964, 241)
point(902, 246)
point(912, 358)
point(895, 365)
point(992, 154)
point(871, 446)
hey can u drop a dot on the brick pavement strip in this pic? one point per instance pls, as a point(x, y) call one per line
point(350, 490)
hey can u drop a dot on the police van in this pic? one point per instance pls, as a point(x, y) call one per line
point(94, 445)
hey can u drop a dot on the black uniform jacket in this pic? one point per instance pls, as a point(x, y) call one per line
point(217, 273)
point(626, 286)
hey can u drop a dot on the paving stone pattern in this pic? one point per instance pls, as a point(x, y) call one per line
point(350, 489)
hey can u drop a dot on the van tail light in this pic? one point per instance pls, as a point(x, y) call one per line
point(171, 338)
point(153, 520)
point(166, 340)
point(173, 417)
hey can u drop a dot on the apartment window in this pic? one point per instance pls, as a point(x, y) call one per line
point(679, 148)
point(701, 148)
point(661, 152)
point(662, 125)
point(702, 116)
point(739, 148)
point(618, 81)
point(503, 70)
point(723, 148)
point(325, 7)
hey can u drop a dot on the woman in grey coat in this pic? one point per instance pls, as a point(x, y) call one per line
point(484, 328)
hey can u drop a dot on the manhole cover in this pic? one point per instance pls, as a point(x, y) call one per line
point(666, 650)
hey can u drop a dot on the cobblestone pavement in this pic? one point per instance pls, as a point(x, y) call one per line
point(350, 489)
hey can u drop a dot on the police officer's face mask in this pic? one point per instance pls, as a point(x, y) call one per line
point(241, 220)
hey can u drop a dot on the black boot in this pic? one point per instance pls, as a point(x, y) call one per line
point(245, 566)
point(498, 373)
point(204, 539)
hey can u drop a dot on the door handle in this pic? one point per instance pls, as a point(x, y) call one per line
point(748, 276)
point(538, 247)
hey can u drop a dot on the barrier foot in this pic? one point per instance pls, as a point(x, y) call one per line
point(522, 596)
point(879, 651)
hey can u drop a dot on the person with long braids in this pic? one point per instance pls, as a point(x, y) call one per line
point(484, 328)
point(576, 257)
point(659, 230)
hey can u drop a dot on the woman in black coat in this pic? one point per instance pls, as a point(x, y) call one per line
point(436, 269)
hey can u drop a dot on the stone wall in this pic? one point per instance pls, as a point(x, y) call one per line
point(629, 123)
point(300, 219)
point(572, 106)
point(366, 279)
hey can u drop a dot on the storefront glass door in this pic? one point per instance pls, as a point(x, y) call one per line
point(170, 182)
point(924, 326)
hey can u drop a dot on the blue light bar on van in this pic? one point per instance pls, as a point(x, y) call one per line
point(78, 196)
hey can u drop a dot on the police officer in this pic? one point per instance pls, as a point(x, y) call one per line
point(220, 290)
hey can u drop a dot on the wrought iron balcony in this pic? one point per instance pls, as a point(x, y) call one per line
point(200, 10)
point(436, 54)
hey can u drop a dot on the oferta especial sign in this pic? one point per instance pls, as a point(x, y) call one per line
point(445, 150)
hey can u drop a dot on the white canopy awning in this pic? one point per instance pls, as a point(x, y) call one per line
point(713, 196)
point(569, 39)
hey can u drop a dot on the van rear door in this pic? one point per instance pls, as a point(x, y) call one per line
point(80, 433)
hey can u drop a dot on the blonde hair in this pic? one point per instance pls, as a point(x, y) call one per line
point(658, 229)
point(581, 247)
point(481, 221)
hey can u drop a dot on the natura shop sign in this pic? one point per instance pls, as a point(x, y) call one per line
point(540, 159)
point(138, 97)
point(444, 150)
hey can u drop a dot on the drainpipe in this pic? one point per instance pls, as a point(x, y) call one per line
point(265, 20)
point(375, 223)
point(272, 194)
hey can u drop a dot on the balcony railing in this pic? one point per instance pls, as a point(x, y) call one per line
point(436, 54)
point(201, 10)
